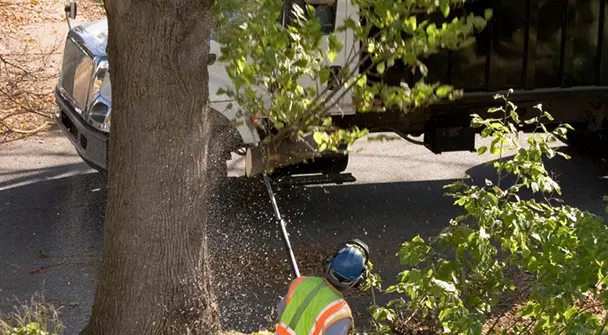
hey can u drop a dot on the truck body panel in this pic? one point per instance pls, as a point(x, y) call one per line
point(552, 52)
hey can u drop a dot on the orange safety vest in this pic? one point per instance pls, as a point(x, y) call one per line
point(312, 305)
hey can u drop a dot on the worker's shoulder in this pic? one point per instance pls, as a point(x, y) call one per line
point(311, 282)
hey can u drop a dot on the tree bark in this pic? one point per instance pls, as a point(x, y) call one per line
point(164, 161)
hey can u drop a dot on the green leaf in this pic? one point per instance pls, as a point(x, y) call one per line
point(444, 90)
point(604, 298)
point(423, 69)
point(335, 44)
point(414, 276)
point(514, 116)
point(331, 56)
point(482, 150)
point(371, 47)
point(445, 10)
point(318, 137)
point(418, 240)
point(380, 314)
point(300, 63)
point(495, 109)
point(324, 74)
point(380, 67)
point(528, 310)
point(444, 314)
point(362, 80)
point(488, 13)
point(448, 287)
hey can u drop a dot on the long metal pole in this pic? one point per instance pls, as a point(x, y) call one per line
point(292, 258)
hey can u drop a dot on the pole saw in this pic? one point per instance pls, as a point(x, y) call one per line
point(277, 213)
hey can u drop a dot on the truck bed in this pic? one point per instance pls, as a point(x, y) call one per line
point(552, 52)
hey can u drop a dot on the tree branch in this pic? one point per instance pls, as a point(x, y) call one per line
point(25, 132)
point(26, 108)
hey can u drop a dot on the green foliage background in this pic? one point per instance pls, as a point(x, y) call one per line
point(269, 63)
point(454, 280)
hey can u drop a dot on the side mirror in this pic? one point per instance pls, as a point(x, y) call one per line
point(71, 9)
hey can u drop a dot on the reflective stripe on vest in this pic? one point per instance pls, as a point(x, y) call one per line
point(312, 305)
point(335, 311)
point(282, 329)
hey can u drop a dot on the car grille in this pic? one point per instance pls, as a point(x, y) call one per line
point(77, 69)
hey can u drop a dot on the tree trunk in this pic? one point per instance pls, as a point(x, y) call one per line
point(163, 167)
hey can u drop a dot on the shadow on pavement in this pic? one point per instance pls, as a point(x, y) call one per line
point(52, 235)
point(52, 239)
point(45, 155)
point(41, 174)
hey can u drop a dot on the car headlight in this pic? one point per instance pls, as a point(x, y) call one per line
point(100, 105)
point(101, 82)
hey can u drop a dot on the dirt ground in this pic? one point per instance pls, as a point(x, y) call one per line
point(32, 34)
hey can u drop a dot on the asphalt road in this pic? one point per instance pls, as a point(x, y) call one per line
point(52, 208)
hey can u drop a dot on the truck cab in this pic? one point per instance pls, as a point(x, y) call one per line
point(84, 93)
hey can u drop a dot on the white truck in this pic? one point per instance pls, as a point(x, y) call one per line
point(84, 99)
point(560, 63)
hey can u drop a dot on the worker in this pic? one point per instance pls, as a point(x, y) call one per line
point(315, 305)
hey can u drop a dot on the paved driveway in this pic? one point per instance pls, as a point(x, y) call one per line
point(52, 207)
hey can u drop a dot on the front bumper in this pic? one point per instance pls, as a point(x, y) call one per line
point(90, 143)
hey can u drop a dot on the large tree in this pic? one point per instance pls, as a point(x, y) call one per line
point(155, 276)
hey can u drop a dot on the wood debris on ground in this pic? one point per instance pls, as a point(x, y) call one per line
point(270, 266)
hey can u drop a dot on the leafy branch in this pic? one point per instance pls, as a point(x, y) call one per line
point(458, 276)
point(282, 78)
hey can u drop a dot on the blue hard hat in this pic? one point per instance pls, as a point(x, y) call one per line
point(348, 263)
